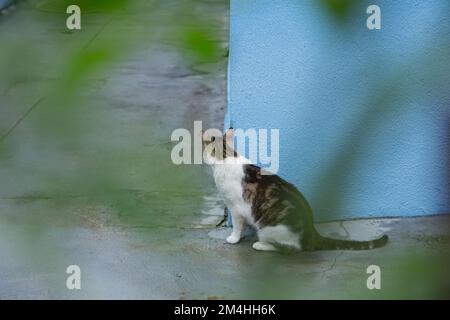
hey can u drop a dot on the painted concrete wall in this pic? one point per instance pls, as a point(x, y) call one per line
point(363, 115)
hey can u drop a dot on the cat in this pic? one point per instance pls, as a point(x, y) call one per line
point(279, 212)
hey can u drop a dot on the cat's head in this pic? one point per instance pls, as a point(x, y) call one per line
point(217, 147)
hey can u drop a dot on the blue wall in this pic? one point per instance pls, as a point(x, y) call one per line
point(363, 115)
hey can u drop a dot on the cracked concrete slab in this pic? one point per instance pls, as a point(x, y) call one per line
point(190, 263)
point(155, 237)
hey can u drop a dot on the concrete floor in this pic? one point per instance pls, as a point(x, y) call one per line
point(190, 262)
point(153, 235)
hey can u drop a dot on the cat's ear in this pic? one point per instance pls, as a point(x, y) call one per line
point(211, 134)
point(229, 134)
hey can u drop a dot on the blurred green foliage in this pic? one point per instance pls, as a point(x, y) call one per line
point(73, 150)
point(341, 10)
point(60, 6)
point(79, 147)
point(199, 41)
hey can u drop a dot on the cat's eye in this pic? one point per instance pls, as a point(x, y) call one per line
point(213, 139)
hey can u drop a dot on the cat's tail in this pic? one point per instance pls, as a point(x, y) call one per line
point(324, 243)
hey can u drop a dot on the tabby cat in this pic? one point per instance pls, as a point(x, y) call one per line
point(275, 208)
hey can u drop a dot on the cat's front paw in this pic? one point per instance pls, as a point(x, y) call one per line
point(233, 239)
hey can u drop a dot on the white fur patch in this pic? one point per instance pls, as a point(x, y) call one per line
point(228, 176)
point(262, 246)
point(279, 234)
